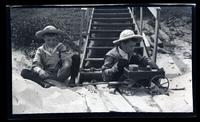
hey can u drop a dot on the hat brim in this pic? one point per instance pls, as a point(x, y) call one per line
point(40, 34)
point(124, 39)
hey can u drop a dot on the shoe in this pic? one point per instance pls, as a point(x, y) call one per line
point(46, 85)
point(72, 82)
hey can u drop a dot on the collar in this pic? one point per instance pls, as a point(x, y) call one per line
point(122, 53)
point(49, 50)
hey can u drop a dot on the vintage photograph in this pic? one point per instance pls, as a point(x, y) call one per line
point(101, 58)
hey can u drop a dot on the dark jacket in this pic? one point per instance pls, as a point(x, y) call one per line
point(110, 69)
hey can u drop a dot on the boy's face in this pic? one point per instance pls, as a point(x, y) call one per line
point(51, 40)
point(129, 46)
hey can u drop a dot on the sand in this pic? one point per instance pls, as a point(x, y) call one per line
point(29, 97)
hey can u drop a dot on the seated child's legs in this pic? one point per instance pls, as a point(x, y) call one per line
point(69, 70)
point(75, 65)
point(74, 69)
point(64, 72)
point(31, 75)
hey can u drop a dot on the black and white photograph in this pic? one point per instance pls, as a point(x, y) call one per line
point(101, 59)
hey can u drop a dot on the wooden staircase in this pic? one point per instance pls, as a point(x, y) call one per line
point(106, 24)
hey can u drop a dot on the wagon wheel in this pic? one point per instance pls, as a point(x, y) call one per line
point(161, 82)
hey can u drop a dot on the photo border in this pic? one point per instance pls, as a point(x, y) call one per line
point(99, 115)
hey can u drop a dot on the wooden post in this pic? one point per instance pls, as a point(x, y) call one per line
point(86, 43)
point(81, 29)
point(156, 35)
point(141, 19)
point(133, 10)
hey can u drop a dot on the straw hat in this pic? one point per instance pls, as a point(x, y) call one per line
point(48, 29)
point(127, 34)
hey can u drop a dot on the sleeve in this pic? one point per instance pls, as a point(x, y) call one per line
point(37, 65)
point(64, 54)
point(109, 68)
point(144, 61)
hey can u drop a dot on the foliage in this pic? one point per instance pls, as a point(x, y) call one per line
point(25, 22)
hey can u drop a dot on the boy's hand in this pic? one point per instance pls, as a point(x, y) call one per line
point(153, 65)
point(43, 74)
point(122, 63)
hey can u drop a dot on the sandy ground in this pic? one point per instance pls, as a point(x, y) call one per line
point(29, 97)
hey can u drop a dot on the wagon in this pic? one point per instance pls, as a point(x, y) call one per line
point(153, 80)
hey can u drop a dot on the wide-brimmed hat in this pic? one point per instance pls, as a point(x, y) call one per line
point(127, 34)
point(48, 29)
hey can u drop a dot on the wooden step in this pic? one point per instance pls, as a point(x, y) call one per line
point(104, 38)
point(113, 19)
point(91, 73)
point(111, 15)
point(105, 31)
point(94, 59)
point(103, 48)
point(88, 76)
point(113, 24)
point(110, 10)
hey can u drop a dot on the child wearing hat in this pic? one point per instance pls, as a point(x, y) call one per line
point(52, 60)
point(122, 55)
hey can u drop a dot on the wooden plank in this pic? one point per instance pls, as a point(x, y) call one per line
point(111, 8)
point(112, 19)
point(103, 48)
point(143, 102)
point(106, 31)
point(179, 100)
point(180, 64)
point(86, 44)
point(153, 10)
point(91, 73)
point(93, 101)
point(146, 41)
point(146, 45)
point(112, 24)
point(104, 39)
point(114, 102)
point(94, 59)
point(111, 14)
point(133, 21)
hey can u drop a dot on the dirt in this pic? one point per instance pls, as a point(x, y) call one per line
point(87, 99)
point(176, 35)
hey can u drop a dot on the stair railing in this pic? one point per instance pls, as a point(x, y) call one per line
point(86, 43)
point(146, 53)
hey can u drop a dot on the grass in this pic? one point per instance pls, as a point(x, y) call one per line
point(25, 22)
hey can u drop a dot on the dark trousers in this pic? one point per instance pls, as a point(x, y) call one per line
point(75, 66)
point(31, 75)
